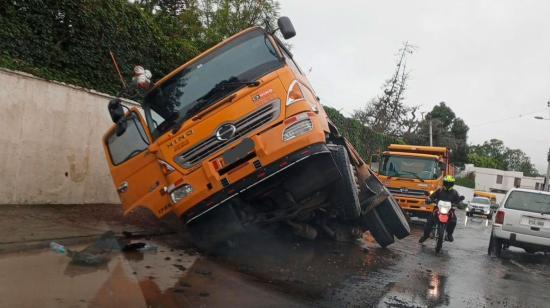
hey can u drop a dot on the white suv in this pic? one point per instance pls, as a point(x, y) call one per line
point(523, 220)
point(479, 205)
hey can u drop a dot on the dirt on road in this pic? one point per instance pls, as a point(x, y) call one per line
point(273, 270)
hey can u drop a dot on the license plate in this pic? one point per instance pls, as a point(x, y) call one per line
point(536, 222)
point(239, 152)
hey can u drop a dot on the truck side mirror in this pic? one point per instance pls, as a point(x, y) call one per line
point(121, 127)
point(117, 116)
point(115, 110)
point(286, 27)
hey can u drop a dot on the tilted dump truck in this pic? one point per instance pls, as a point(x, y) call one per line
point(236, 139)
point(412, 173)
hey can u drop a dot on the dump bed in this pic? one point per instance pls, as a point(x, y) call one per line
point(417, 149)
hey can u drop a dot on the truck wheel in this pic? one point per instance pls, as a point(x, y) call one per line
point(214, 227)
point(345, 194)
point(377, 228)
point(440, 237)
point(390, 211)
point(495, 246)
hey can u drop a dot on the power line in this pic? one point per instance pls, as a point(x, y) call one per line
point(506, 119)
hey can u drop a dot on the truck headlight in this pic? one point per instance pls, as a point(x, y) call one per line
point(181, 192)
point(297, 125)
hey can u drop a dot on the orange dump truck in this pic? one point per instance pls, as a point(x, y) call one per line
point(236, 139)
point(411, 173)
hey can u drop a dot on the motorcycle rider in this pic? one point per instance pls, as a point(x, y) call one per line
point(446, 193)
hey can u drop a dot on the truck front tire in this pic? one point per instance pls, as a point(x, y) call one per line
point(215, 227)
point(389, 210)
point(377, 229)
point(345, 194)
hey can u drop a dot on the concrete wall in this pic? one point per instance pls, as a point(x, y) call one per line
point(50, 143)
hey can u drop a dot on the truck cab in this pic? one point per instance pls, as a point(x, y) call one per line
point(412, 174)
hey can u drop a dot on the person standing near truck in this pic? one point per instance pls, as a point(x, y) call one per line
point(445, 193)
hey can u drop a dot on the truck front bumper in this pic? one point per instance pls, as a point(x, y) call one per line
point(318, 152)
point(415, 206)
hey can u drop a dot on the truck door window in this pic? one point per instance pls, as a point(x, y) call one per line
point(129, 144)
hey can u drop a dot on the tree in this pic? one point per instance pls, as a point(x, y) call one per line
point(387, 114)
point(71, 40)
point(459, 133)
point(494, 154)
point(447, 130)
point(493, 149)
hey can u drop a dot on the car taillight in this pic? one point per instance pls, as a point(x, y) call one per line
point(295, 93)
point(499, 218)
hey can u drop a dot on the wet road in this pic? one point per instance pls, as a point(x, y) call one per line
point(282, 272)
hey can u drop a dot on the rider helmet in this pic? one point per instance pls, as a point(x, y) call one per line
point(448, 182)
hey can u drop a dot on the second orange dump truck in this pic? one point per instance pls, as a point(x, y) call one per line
point(412, 173)
point(237, 139)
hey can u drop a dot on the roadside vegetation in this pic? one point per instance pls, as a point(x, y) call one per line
point(71, 40)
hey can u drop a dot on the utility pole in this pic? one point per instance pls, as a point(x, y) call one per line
point(431, 134)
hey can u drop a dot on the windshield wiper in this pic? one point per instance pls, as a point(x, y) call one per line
point(413, 174)
point(206, 99)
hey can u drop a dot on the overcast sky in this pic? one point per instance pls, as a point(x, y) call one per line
point(488, 60)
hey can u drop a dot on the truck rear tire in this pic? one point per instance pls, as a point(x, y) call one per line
point(377, 228)
point(345, 194)
point(390, 211)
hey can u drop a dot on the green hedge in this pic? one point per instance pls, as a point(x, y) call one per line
point(70, 40)
point(364, 139)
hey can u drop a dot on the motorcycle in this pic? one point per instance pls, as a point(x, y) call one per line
point(443, 213)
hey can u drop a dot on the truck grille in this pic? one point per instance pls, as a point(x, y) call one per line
point(245, 125)
point(415, 193)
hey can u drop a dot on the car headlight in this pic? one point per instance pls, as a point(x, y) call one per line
point(181, 192)
point(299, 125)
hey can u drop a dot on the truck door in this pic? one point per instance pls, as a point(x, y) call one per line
point(136, 172)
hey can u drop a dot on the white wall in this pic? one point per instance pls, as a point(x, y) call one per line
point(486, 179)
point(50, 143)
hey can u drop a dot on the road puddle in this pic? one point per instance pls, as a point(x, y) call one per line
point(169, 277)
point(422, 289)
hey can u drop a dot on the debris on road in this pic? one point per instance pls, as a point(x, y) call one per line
point(101, 250)
point(133, 247)
point(58, 248)
point(98, 252)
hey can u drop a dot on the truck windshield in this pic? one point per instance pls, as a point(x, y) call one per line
point(528, 201)
point(410, 167)
point(211, 78)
